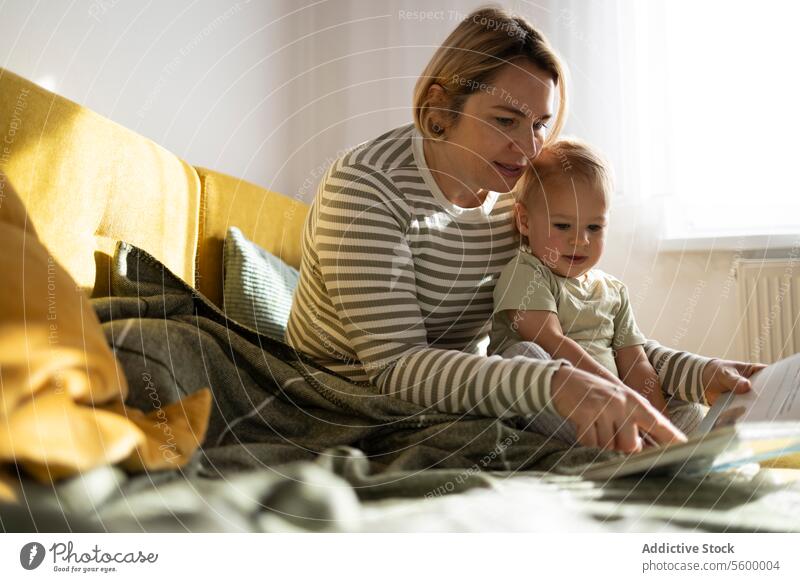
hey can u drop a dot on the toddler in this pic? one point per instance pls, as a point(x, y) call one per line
point(551, 301)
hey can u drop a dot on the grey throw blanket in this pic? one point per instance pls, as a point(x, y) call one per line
point(294, 446)
point(274, 405)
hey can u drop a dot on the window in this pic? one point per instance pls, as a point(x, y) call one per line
point(733, 119)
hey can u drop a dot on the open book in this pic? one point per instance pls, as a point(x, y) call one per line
point(740, 428)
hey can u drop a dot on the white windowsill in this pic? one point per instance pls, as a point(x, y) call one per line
point(745, 242)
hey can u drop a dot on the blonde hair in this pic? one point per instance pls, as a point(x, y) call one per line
point(483, 43)
point(567, 158)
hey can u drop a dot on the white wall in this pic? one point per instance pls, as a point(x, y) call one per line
point(266, 90)
point(270, 91)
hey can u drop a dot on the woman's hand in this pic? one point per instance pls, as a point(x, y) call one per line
point(727, 376)
point(607, 415)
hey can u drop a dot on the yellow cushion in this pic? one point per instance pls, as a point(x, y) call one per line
point(88, 182)
point(54, 360)
point(271, 220)
point(61, 390)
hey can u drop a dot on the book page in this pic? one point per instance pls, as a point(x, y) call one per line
point(775, 396)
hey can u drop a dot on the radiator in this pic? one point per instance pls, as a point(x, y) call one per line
point(769, 301)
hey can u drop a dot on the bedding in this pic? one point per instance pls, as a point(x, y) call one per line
point(291, 446)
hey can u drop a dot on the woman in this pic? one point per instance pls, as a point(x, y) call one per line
point(407, 234)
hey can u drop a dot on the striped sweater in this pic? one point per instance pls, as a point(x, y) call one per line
point(396, 289)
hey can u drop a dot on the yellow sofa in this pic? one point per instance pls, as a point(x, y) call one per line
point(88, 182)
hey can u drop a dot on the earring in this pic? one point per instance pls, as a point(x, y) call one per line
point(437, 129)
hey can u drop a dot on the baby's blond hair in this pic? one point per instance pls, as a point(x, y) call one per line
point(566, 159)
point(569, 159)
